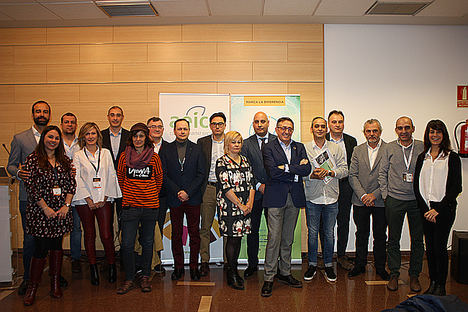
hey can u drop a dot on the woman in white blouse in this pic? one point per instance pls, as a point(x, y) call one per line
point(437, 183)
point(96, 187)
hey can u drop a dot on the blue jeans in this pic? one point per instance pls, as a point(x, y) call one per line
point(131, 218)
point(28, 241)
point(75, 236)
point(328, 214)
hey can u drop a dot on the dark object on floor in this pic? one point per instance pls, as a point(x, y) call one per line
point(459, 258)
point(430, 303)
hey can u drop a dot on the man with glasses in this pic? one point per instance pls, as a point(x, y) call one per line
point(286, 163)
point(212, 147)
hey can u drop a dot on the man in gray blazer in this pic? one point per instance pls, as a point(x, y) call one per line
point(252, 149)
point(367, 200)
point(22, 145)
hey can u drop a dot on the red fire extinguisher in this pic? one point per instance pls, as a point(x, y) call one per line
point(463, 145)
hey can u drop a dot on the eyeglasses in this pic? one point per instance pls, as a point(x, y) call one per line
point(155, 127)
point(217, 124)
point(284, 129)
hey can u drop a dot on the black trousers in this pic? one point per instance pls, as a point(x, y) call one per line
point(162, 211)
point(42, 245)
point(253, 237)
point(342, 219)
point(436, 237)
point(362, 216)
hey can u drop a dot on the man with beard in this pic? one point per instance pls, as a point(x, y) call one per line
point(68, 124)
point(22, 145)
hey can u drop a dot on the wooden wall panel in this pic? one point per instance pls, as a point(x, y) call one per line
point(217, 32)
point(308, 91)
point(216, 71)
point(22, 36)
point(76, 35)
point(79, 73)
point(305, 53)
point(147, 33)
point(114, 53)
point(182, 52)
point(245, 51)
point(18, 74)
point(7, 94)
point(56, 54)
point(288, 32)
point(148, 72)
point(6, 55)
point(288, 72)
point(132, 92)
point(53, 94)
point(252, 88)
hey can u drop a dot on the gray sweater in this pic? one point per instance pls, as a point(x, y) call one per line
point(392, 168)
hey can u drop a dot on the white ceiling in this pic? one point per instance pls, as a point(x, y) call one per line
point(50, 13)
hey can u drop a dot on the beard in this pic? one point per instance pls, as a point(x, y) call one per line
point(41, 121)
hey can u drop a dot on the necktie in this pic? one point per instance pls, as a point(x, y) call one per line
point(263, 143)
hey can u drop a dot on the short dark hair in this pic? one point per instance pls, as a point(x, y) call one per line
point(218, 114)
point(154, 119)
point(181, 119)
point(337, 112)
point(68, 114)
point(436, 124)
point(115, 106)
point(318, 117)
point(280, 120)
point(40, 102)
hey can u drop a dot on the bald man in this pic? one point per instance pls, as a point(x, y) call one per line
point(252, 149)
point(396, 176)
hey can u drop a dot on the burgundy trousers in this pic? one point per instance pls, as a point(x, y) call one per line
point(193, 225)
point(103, 216)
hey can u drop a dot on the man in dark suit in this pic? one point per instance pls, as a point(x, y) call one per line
point(367, 200)
point(286, 163)
point(184, 174)
point(212, 147)
point(22, 145)
point(347, 144)
point(156, 131)
point(252, 149)
point(115, 140)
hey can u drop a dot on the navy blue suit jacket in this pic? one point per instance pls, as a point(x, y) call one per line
point(190, 179)
point(279, 182)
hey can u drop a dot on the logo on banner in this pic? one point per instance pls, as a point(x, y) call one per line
point(195, 115)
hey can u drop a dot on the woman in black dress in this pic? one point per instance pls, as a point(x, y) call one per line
point(50, 188)
point(235, 196)
point(437, 183)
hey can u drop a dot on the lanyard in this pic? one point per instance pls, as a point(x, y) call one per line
point(99, 161)
point(55, 171)
point(182, 162)
point(408, 161)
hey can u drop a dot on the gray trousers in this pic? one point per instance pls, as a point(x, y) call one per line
point(281, 225)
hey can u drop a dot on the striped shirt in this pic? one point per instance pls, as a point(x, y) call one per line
point(140, 187)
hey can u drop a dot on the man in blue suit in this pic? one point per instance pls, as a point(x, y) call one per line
point(286, 163)
point(252, 149)
point(184, 174)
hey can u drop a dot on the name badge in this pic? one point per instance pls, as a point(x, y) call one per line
point(57, 191)
point(97, 183)
point(408, 177)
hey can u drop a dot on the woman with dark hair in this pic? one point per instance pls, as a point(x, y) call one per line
point(140, 178)
point(437, 183)
point(50, 190)
point(235, 196)
point(96, 187)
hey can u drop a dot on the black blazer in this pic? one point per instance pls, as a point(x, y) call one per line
point(279, 182)
point(452, 188)
point(205, 145)
point(251, 150)
point(350, 143)
point(190, 179)
point(164, 144)
point(107, 144)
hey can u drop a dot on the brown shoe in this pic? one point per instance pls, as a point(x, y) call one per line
point(145, 284)
point(345, 263)
point(125, 287)
point(393, 283)
point(414, 284)
point(204, 269)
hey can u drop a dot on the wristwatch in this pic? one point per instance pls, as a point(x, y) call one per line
point(68, 205)
point(329, 173)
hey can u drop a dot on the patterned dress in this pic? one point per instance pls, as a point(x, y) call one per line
point(40, 185)
point(239, 178)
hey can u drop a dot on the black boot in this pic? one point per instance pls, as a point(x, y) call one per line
point(430, 290)
point(94, 272)
point(55, 272)
point(112, 273)
point(37, 266)
point(439, 290)
point(233, 280)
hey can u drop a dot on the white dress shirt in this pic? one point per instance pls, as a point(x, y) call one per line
point(72, 149)
point(115, 142)
point(37, 134)
point(340, 143)
point(372, 153)
point(433, 178)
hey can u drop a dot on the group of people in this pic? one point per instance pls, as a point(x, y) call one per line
point(68, 181)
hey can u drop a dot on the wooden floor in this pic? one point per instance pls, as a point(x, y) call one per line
point(212, 294)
